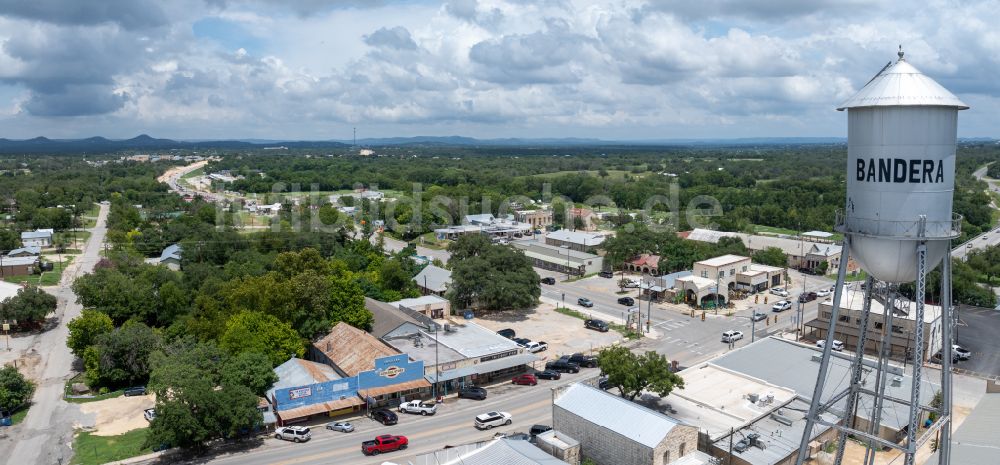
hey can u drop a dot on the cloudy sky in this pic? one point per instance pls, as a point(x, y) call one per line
point(482, 68)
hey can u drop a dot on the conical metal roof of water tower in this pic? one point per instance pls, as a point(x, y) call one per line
point(900, 84)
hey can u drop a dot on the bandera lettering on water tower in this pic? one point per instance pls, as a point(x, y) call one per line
point(900, 170)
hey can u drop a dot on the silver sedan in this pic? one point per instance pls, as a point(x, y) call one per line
point(340, 426)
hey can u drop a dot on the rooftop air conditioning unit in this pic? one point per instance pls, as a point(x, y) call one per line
point(897, 381)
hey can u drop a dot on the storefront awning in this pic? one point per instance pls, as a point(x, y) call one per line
point(392, 388)
point(485, 367)
point(322, 407)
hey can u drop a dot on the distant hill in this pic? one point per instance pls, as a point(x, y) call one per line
point(142, 142)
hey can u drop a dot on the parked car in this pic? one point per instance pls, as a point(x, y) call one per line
point(629, 283)
point(606, 274)
point(807, 296)
point(385, 417)
point(837, 345)
point(472, 392)
point(603, 383)
point(525, 379)
point(781, 306)
point(548, 280)
point(563, 366)
point(490, 419)
point(732, 336)
point(586, 361)
point(596, 325)
point(342, 426)
point(149, 414)
point(548, 374)
point(536, 346)
point(960, 352)
point(758, 316)
point(626, 301)
point(135, 391)
point(384, 443)
point(824, 292)
point(521, 341)
point(779, 291)
point(293, 433)
point(422, 407)
point(507, 333)
point(584, 302)
point(538, 429)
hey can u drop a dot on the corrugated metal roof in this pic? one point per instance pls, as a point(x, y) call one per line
point(485, 367)
point(20, 261)
point(507, 452)
point(387, 317)
point(631, 420)
point(297, 372)
point(975, 442)
point(37, 234)
point(351, 349)
point(902, 85)
point(586, 239)
point(29, 250)
point(8, 290)
point(434, 278)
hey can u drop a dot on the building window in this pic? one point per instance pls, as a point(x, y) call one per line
point(732, 271)
point(666, 457)
point(897, 329)
point(744, 267)
point(704, 274)
point(844, 318)
point(722, 274)
point(878, 325)
point(680, 453)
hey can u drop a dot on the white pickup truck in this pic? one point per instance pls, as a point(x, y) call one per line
point(423, 407)
point(536, 346)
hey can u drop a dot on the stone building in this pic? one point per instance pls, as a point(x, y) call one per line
point(615, 431)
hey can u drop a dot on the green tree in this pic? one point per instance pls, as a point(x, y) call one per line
point(29, 307)
point(121, 358)
point(262, 333)
point(771, 256)
point(249, 369)
point(15, 389)
point(85, 329)
point(493, 277)
point(9, 239)
point(632, 374)
point(203, 394)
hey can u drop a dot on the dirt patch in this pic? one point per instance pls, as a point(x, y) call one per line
point(118, 415)
point(563, 334)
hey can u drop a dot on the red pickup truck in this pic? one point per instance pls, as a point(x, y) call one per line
point(384, 443)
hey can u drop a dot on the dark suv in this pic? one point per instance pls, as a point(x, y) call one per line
point(472, 392)
point(606, 274)
point(385, 417)
point(597, 325)
point(563, 366)
point(586, 361)
point(626, 301)
point(807, 297)
point(548, 280)
point(507, 333)
point(135, 391)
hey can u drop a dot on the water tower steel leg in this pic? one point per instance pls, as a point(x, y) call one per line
point(944, 442)
point(884, 352)
point(855, 386)
point(824, 366)
point(918, 354)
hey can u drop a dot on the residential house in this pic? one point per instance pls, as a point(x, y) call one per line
point(586, 215)
point(37, 238)
point(615, 431)
point(580, 241)
point(171, 257)
point(560, 259)
point(18, 266)
point(433, 280)
point(32, 251)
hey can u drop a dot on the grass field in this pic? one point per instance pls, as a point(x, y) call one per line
point(758, 229)
point(90, 449)
point(861, 275)
point(46, 278)
point(18, 416)
point(80, 378)
point(629, 334)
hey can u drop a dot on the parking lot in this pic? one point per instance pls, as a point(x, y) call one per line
point(977, 332)
point(563, 334)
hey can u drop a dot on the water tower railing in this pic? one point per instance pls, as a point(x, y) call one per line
point(904, 230)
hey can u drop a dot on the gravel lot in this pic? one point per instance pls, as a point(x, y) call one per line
point(564, 334)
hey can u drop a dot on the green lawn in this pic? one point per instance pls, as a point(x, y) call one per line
point(46, 278)
point(758, 229)
point(194, 173)
point(18, 416)
point(80, 378)
point(430, 241)
point(629, 334)
point(90, 449)
point(860, 275)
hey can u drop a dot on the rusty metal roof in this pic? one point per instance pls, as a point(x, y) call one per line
point(351, 349)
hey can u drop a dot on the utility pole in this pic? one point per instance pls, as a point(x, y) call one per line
point(437, 366)
point(718, 279)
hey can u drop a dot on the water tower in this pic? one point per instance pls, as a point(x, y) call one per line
point(898, 225)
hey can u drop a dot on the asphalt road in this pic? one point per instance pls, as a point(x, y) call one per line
point(395, 245)
point(452, 425)
point(986, 239)
point(47, 432)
